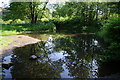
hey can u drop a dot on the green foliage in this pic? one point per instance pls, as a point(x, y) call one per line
point(5, 33)
point(115, 48)
point(44, 19)
point(71, 17)
point(25, 10)
point(19, 28)
point(78, 15)
point(113, 6)
point(110, 32)
point(18, 10)
point(18, 21)
point(84, 28)
point(7, 22)
point(68, 25)
point(41, 27)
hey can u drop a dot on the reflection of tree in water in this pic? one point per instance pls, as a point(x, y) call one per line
point(80, 59)
point(41, 68)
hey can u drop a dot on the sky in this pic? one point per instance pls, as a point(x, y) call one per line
point(4, 3)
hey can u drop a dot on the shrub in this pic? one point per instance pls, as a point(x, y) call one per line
point(44, 19)
point(19, 28)
point(68, 25)
point(6, 22)
point(18, 21)
point(110, 32)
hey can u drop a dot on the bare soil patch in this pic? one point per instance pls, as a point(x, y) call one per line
point(18, 41)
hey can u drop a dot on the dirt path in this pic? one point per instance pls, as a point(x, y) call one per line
point(18, 41)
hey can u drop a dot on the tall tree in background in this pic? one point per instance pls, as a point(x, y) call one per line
point(27, 10)
point(35, 10)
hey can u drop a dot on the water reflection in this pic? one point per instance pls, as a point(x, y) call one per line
point(81, 62)
point(69, 57)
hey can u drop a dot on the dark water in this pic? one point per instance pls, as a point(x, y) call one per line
point(0, 66)
point(68, 57)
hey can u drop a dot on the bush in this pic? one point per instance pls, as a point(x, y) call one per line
point(43, 27)
point(18, 21)
point(110, 32)
point(1, 21)
point(37, 27)
point(6, 22)
point(44, 20)
point(68, 25)
point(19, 28)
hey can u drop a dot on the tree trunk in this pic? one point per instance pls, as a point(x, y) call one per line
point(36, 18)
point(33, 15)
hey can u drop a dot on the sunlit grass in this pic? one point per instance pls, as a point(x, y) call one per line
point(21, 28)
point(5, 33)
point(4, 41)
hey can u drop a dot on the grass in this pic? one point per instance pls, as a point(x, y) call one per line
point(13, 29)
point(4, 41)
point(5, 33)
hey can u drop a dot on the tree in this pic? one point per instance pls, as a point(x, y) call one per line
point(27, 10)
point(110, 32)
point(79, 15)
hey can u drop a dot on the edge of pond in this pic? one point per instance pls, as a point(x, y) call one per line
point(18, 41)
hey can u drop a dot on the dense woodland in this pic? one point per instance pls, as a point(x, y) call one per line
point(101, 18)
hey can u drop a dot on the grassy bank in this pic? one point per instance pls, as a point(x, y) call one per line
point(12, 29)
point(4, 41)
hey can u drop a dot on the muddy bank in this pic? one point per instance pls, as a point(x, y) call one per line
point(18, 41)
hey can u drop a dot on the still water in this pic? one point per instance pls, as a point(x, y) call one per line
point(64, 57)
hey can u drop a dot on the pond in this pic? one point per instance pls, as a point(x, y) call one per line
point(63, 57)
